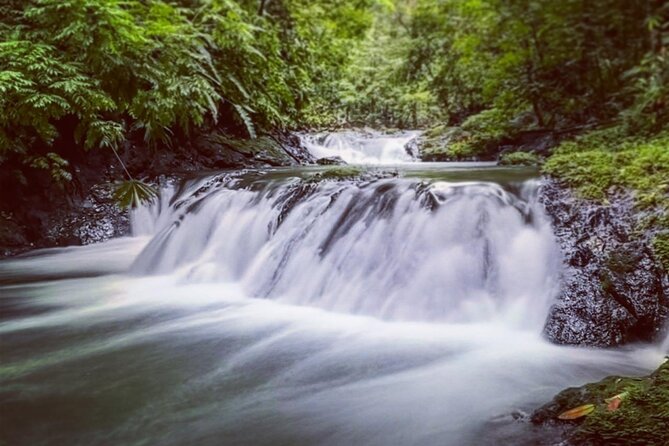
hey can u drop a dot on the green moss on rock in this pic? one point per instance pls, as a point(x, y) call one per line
point(442, 143)
point(519, 159)
point(661, 249)
point(264, 149)
point(338, 173)
point(642, 417)
point(595, 167)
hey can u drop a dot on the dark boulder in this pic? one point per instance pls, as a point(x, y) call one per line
point(331, 161)
point(412, 148)
point(612, 291)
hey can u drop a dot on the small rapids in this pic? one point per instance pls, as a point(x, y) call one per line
point(267, 308)
point(356, 148)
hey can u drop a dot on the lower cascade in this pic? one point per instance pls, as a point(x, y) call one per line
point(396, 249)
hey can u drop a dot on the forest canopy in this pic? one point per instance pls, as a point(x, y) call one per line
point(96, 73)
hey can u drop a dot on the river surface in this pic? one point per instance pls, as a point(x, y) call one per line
point(267, 308)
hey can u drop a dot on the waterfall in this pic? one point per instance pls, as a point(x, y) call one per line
point(357, 148)
point(396, 249)
point(278, 307)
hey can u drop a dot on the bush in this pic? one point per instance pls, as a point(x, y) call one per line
point(520, 159)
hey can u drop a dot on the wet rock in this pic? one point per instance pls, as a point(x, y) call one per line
point(12, 236)
point(96, 219)
point(612, 290)
point(412, 148)
point(43, 215)
point(331, 161)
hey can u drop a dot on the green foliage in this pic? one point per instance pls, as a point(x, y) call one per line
point(442, 143)
point(97, 73)
point(525, 63)
point(132, 193)
point(661, 248)
point(596, 166)
point(378, 88)
point(519, 159)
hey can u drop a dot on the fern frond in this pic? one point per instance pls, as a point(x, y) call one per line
point(246, 119)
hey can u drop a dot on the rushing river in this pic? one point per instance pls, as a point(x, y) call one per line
point(258, 309)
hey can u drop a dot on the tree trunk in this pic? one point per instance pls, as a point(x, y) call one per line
point(261, 7)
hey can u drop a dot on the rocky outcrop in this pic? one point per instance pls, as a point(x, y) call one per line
point(614, 291)
point(83, 211)
point(331, 161)
point(619, 410)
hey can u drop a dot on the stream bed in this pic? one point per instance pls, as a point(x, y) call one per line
point(263, 308)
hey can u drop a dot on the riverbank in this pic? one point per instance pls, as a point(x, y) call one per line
point(39, 212)
point(614, 411)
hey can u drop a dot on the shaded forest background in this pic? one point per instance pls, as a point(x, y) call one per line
point(96, 72)
point(85, 76)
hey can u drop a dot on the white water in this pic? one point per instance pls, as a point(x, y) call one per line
point(377, 250)
point(391, 312)
point(354, 148)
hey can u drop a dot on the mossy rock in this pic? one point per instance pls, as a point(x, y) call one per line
point(263, 149)
point(520, 159)
point(642, 418)
point(661, 249)
point(337, 173)
point(442, 143)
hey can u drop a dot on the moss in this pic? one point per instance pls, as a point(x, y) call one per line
point(520, 159)
point(641, 418)
point(443, 143)
point(262, 148)
point(599, 164)
point(337, 173)
point(595, 167)
point(590, 173)
point(661, 249)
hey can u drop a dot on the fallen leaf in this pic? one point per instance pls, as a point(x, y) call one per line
point(577, 412)
point(614, 403)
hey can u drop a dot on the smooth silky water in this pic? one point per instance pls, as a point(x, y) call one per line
point(255, 309)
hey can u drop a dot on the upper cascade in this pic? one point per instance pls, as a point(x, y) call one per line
point(362, 147)
point(396, 249)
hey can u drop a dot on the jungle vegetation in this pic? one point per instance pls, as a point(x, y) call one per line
point(95, 74)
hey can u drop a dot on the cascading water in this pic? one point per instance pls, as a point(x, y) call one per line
point(393, 249)
point(269, 308)
point(356, 148)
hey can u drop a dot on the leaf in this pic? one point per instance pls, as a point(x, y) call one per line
point(246, 119)
point(133, 193)
point(577, 412)
point(614, 402)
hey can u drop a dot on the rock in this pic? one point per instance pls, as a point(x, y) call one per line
point(292, 144)
point(437, 144)
point(640, 417)
point(331, 161)
point(612, 291)
point(38, 214)
point(96, 219)
point(412, 148)
point(12, 236)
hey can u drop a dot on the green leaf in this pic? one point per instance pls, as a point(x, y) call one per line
point(246, 119)
point(133, 193)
